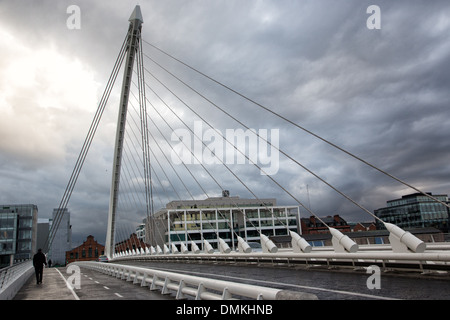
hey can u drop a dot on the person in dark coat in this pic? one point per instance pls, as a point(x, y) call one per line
point(38, 262)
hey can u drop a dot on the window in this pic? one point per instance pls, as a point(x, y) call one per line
point(25, 234)
point(317, 243)
point(378, 240)
point(25, 223)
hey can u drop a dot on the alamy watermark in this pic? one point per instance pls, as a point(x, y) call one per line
point(73, 22)
point(373, 281)
point(236, 146)
point(374, 21)
point(75, 279)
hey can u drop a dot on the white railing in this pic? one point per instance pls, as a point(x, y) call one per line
point(427, 262)
point(13, 278)
point(404, 253)
point(199, 288)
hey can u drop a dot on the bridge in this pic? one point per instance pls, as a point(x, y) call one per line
point(193, 258)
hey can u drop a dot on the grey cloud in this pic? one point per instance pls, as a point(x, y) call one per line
point(382, 94)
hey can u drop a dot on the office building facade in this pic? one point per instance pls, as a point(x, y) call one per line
point(416, 211)
point(18, 232)
point(220, 217)
point(62, 240)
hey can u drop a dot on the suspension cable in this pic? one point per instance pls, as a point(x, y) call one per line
point(300, 127)
point(85, 148)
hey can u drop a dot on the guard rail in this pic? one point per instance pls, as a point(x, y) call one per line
point(13, 278)
point(199, 288)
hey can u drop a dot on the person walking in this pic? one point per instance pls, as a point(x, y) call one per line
point(38, 262)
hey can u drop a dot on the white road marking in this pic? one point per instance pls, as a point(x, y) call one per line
point(68, 285)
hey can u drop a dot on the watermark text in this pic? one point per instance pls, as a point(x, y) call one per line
point(236, 146)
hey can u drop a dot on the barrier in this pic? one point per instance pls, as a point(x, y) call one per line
point(199, 288)
point(13, 278)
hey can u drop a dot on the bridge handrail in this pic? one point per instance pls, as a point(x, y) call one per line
point(199, 287)
point(13, 278)
point(437, 261)
point(442, 256)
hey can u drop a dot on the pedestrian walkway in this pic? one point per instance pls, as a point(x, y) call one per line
point(53, 287)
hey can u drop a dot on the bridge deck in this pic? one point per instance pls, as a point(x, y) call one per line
point(53, 287)
point(93, 286)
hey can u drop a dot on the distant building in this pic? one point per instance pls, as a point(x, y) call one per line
point(227, 217)
point(18, 232)
point(140, 231)
point(132, 243)
point(416, 211)
point(43, 230)
point(88, 251)
point(62, 240)
point(362, 226)
point(314, 225)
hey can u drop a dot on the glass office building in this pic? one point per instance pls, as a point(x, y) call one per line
point(62, 240)
point(18, 232)
point(416, 211)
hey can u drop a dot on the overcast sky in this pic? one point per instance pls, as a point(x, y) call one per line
point(382, 94)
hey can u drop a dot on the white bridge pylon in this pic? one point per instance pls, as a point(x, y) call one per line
point(133, 41)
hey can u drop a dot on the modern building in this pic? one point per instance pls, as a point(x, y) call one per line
point(89, 250)
point(223, 217)
point(43, 231)
point(416, 211)
point(62, 240)
point(18, 232)
point(140, 231)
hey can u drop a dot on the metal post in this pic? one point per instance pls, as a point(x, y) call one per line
point(133, 39)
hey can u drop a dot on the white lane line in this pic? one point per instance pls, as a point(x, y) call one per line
point(120, 296)
point(106, 287)
point(68, 285)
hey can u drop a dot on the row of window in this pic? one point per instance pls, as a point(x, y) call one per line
point(180, 225)
point(76, 254)
point(181, 237)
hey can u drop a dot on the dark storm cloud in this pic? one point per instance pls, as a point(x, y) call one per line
point(381, 94)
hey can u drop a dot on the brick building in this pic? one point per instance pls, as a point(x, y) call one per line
point(129, 244)
point(363, 226)
point(88, 251)
point(313, 225)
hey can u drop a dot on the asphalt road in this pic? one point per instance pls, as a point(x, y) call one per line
point(98, 286)
point(327, 285)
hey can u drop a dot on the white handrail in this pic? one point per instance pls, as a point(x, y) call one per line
point(429, 261)
point(13, 278)
point(198, 287)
